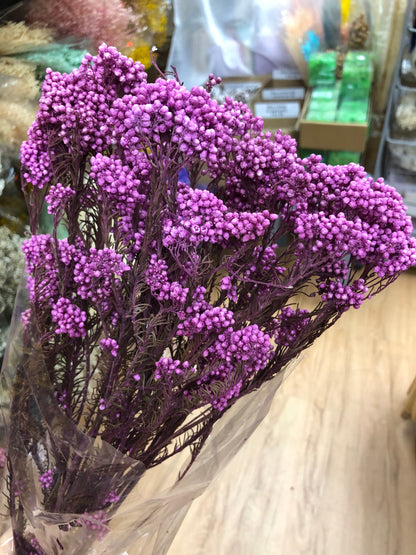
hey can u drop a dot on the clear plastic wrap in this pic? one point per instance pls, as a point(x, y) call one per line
point(245, 39)
point(10, 270)
point(147, 510)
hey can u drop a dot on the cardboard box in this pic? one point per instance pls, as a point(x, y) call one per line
point(278, 114)
point(243, 89)
point(279, 104)
point(283, 93)
point(331, 135)
point(287, 78)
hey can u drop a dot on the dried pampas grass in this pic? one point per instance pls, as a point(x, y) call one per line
point(15, 119)
point(99, 20)
point(17, 80)
point(19, 37)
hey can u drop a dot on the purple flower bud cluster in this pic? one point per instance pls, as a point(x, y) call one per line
point(212, 81)
point(344, 296)
point(161, 288)
point(77, 109)
point(46, 479)
point(68, 318)
point(263, 263)
point(2, 457)
point(36, 546)
point(96, 524)
point(227, 285)
point(220, 402)
point(264, 171)
point(166, 367)
point(110, 345)
point(112, 497)
point(41, 268)
point(98, 274)
point(243, 353)
point(204, 217)
point(345, 210)
point(290, 324)
point(123, 192)
point(213, 318)
point(57, 197)
point(249, 345)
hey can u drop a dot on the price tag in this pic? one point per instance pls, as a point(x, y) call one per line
point(244, 86)
point(284, 93)
point(287, 75)
point(277, 110)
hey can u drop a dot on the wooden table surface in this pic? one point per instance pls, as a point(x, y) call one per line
point(332, 468)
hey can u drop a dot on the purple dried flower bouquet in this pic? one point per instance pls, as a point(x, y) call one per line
point(184, 240)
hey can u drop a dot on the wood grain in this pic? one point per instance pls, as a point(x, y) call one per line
point(332, 469)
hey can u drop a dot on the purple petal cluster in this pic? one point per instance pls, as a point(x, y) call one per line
point(76, 108)
point(204, 217)
point(96, 524)
point(161, 288)
point(227, 285)
point(235, 357)
point(215, 318)
point(166, 367)
point(57, 197)
point(46, 479)
point(344, 296)
point(68, 318)
point(123, 192)
point(110, 345)
point(290, 325)
point(98, 274)
point(41, 268)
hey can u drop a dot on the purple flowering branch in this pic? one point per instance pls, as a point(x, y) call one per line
point(168, 300)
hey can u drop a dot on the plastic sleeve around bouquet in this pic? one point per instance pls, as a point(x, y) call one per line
point(147, 511)
point(88, 469)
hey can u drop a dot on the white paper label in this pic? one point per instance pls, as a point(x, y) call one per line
point(284, 93)
point(287, 75)
point(241, 85)
point(277, 110)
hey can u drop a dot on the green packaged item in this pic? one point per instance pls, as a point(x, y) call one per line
point(342, 157)
point(321, 115)
point(353, 111)
point(322, 67)
point(317, 105)
point(356, 91)
point(322, 92)
point(359, 57)
point(325, 98)
point(357, 75)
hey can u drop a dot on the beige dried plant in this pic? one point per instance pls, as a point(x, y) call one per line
point(19, 37)
point(15, 119)
point(17, 79)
